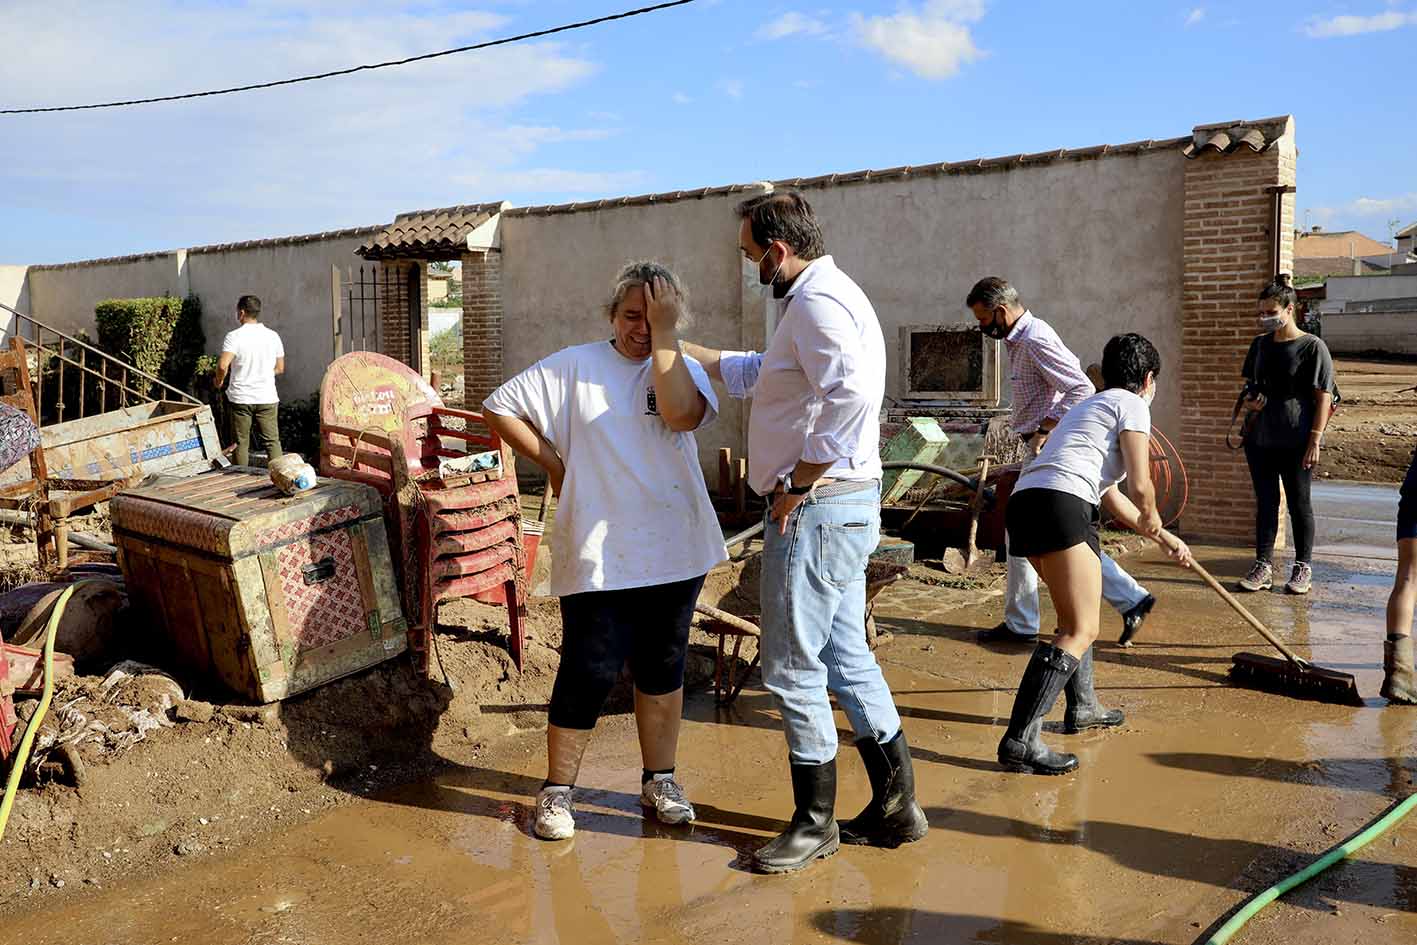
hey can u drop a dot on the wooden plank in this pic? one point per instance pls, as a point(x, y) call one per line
point(275, 600)
point(362, 570)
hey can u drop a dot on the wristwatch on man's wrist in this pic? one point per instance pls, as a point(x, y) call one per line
point(791, 489)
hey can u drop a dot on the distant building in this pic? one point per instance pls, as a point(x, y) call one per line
point(442, 284)
point(1343, 253)
point(1407, 240)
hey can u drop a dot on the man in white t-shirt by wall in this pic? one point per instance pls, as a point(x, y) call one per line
point(252, 355)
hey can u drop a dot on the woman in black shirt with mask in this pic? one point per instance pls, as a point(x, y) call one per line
point(1290, 376)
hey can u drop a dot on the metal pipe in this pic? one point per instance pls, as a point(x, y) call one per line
point(98, 351)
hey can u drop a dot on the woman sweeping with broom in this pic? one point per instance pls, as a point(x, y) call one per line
point(1052, 520)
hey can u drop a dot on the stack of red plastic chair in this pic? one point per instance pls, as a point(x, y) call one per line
point(457, 529)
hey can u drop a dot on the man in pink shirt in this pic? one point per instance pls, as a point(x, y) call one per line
point(1046, 380)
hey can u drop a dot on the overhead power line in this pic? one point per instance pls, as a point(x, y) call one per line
point(504, 41)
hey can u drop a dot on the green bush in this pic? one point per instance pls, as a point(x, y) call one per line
point(162, 336)
point(445, 348)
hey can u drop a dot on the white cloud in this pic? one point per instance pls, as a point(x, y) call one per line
point(1320, 28)
point(1195, 16)
point(339, 152)
point(932, 40)
point(791, 24)
point(1370, 206)
point(680, 98)
point(733, 88)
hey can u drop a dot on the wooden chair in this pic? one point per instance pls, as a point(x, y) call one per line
point(457, 533)
point(52, 499)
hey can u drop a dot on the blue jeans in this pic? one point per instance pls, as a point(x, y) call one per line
point(814, 624)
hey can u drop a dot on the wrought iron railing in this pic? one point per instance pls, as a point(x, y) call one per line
point(104, 382)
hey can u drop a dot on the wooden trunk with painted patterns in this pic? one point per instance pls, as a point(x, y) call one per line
point(267, 593)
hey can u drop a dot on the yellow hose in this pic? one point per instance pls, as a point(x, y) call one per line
point(22, 754)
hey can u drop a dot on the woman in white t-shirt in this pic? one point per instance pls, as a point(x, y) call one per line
point(1052, 520)
point(612, 424)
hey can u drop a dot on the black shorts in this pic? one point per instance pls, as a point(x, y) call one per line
point(1407, 505)
point(1041, 521)
point(601, 630)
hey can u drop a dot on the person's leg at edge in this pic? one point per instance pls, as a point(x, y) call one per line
point(836, 568)
point(1399, 676)
point(794, 673)
point(1074, 579)
point(593, 650)
point(657, 662)
point(1297, 484)
point(1264, 477)
point(241, 429)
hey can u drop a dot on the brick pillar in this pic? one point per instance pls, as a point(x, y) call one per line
point(425, 360)
point(393, 309)
point(1228, 247)
point(481, 324)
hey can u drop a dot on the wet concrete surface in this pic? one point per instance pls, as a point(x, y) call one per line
point(1206, 794)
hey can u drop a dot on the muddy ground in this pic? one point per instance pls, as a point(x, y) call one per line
point(1374, 430)
point(1206, 794)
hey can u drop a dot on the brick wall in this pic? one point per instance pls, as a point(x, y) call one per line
point(393, 309)
point(1227, 246)
point(481, 325)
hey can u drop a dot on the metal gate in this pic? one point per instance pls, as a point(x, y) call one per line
point(362, 299)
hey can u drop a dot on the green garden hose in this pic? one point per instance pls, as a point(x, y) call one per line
point(1377, 828)
point(22, 754)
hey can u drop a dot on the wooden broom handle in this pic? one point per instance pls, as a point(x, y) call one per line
point(1240, 609)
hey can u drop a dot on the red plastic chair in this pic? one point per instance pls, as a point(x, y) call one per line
point(457, 534)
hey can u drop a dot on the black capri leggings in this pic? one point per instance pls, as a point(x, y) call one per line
point(649, 626)
point(1268, 467)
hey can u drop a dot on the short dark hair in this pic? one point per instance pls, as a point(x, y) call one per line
point(1281, 290)
point(992, 292)
point(1127, 360)
point(249, 305)
point(786, 217)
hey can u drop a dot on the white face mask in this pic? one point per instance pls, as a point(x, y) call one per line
point(753, 270)
point(1272, 322)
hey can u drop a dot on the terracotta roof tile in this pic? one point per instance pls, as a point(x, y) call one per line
point(440, 233)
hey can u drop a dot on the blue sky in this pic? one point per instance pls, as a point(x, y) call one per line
point(717, 92)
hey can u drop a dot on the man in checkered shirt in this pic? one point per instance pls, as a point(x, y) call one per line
point(1046, 381)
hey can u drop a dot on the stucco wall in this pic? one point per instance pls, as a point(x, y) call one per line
point(558, 271)
point(292, 281)
point(1362, 333)
point(1341, 289)
point(14, 292)
point(64, 296)
point(291, 277)
point(1095, 246)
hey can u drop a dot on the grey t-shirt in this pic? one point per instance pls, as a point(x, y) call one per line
point(1288, 372)
point(1083, 455)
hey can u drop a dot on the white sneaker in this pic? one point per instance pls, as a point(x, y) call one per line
point(554, 820)
point(665, 797)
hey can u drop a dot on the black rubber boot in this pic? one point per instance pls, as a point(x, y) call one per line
point(813, 832)
point(1022, 748)
point(893, 817)
point(1084, 711)
point(1399, 677)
